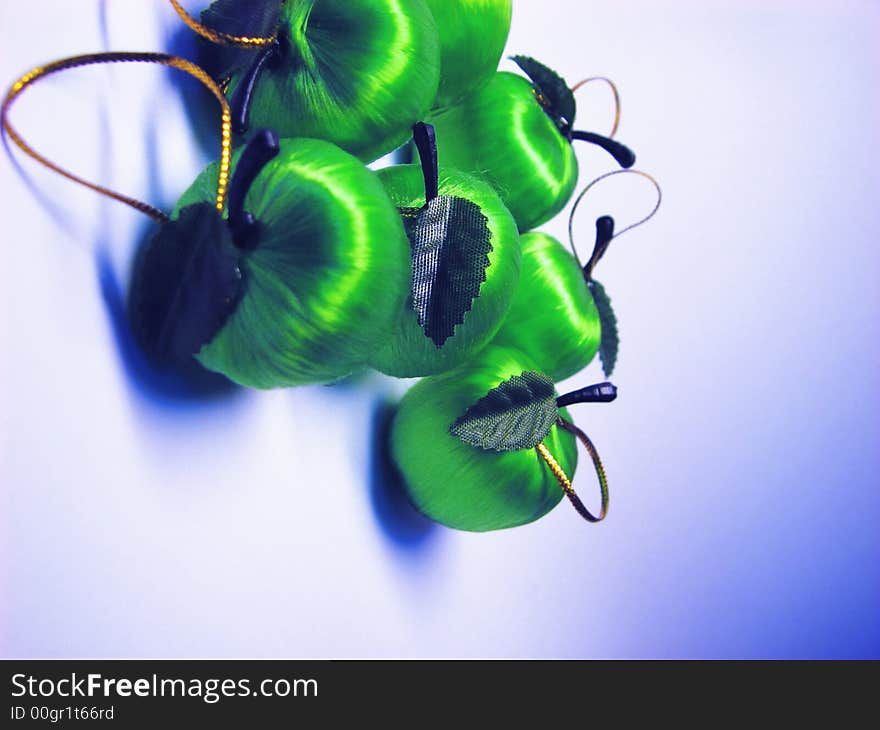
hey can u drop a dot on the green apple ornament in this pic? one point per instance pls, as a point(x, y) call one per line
point(489, 445)
point(517, 133)
point(552, 319)
point(323, 257)
point(465, 255)
point(358, 73)
point(561, 316)
point(472, 34)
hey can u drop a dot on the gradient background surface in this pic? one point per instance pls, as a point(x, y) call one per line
point(138, 518)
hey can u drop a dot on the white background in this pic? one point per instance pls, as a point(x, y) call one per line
point(742, 452)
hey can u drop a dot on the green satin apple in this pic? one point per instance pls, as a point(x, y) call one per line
point(517, 134)
point(472, 38)
point(552, 319)
point(464, 260)
point(460, 485)
point(358, 73)
point(462, 285)
point(298, 284)
point(489, 445)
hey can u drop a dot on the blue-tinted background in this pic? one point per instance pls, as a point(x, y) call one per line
point(141, 518)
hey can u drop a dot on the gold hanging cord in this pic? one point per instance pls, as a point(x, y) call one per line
point(614, 91)
point(122, 57)
point(565, 482)
point(216, 36)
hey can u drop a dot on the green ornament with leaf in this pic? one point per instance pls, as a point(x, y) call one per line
point(517, 133)
point(465, 263)
point(491, 445)
point(561, 316)
point(358, 73)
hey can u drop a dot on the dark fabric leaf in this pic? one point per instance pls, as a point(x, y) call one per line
point(186, 283)
point(250, 18)
point(608, 322)
point(516, 415)
point(450, 243)
point(554, 94)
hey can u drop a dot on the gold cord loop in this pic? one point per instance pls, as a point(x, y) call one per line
point(216, 36)
point(121, 57)
point(577, 202)
point(614, 91)
point(565, 482)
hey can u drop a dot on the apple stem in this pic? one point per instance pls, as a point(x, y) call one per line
point(243, 96)
point(604, 234)
point(605, 226)
point(426, 144)
point(244, 227)
point(598, 393)
point(624, 156)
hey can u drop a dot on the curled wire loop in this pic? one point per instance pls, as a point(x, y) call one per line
point(613, 86)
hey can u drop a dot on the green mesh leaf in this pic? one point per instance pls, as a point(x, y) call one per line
point(516, 415)
point(450, 243)
point(252, 19)
point(186, 283)
point(608, 322)
point(558, 99)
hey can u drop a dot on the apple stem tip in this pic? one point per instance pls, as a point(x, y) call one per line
point(624, 156)
point(243, 96)
point(598, 393)
point(604, 234)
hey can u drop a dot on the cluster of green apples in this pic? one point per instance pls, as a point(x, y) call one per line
point(320, 266)
point(290, 261)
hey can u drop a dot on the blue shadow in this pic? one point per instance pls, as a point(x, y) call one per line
point(171, 386)
point(404, 155)
point(59, 216)
point(349, 384)
point(103, 25)
point(402, 523)
point(201, 108)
